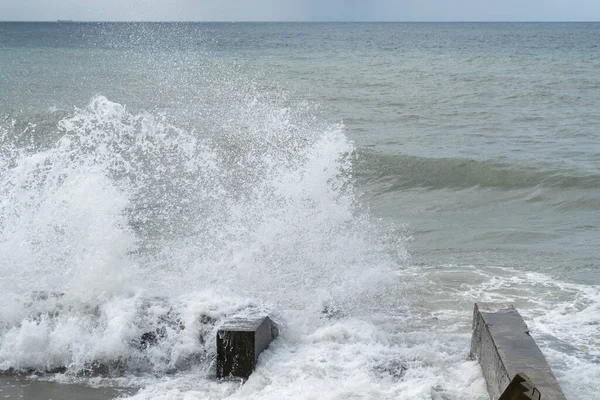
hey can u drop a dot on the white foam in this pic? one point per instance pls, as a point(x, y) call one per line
point(130, 225)
point(147, 228)
point(563, 317)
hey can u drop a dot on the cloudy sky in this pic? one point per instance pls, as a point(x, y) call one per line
point(302, 10)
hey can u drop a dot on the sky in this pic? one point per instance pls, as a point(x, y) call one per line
point(301, 10)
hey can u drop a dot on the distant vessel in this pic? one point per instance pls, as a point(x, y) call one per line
point(64, 20)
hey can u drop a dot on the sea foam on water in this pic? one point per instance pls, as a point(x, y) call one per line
point(204, 185)
point(128, 241)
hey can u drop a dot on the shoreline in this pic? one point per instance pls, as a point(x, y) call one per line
point(24, 387)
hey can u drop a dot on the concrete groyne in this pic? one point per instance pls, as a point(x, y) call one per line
point(239, 344)
point(507, 353)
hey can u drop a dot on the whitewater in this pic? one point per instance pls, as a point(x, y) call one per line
point(166, 177)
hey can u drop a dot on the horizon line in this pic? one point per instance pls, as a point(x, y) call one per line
point(301, 21)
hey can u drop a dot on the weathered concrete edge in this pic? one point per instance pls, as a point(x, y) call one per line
point(484, 350)
point(503, 346)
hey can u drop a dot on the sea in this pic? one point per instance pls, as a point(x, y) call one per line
point(364, 184)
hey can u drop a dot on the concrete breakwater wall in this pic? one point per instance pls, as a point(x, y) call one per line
point(229, 346)
point(239, 344)
point(503, 346)
point(159, 335)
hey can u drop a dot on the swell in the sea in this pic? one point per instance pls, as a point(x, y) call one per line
point(400, 172)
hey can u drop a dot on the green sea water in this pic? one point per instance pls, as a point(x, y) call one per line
point(401, 171)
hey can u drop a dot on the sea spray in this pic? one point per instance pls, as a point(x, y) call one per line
point(489, 151)
point(62, 223)
point(143, 236)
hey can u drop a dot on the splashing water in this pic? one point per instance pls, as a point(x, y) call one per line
point(128, 236)
point(128, 225)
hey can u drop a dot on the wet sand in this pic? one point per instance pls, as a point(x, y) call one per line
point(21, 387)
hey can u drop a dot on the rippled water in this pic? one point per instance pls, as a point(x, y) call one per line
point(155, 176)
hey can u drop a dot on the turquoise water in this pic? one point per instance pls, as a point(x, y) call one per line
point(410, 169)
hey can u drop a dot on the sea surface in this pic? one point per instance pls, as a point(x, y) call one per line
point(363, 183)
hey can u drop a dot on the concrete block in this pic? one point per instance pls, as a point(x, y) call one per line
point(521, 388)
point(240, 342)
point(504, 348)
